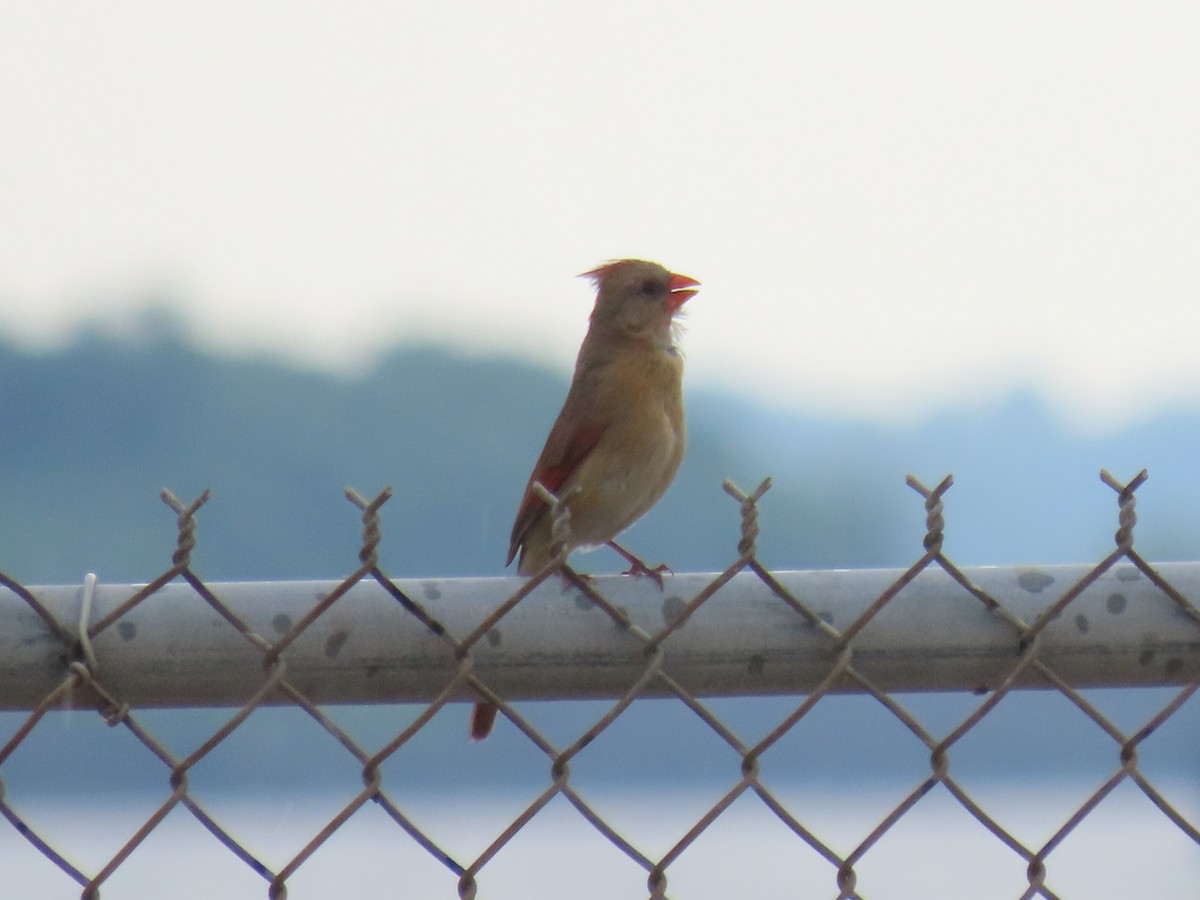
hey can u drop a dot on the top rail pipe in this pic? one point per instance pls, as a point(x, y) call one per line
point(174, 650)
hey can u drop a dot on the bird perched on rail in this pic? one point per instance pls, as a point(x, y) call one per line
point(619, 439)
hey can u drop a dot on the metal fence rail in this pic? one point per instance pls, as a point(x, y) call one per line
point(554, 646)
point(561, 635)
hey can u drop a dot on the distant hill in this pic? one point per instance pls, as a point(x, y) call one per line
point(94, 430)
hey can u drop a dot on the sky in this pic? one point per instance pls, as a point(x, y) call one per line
point(892, 207)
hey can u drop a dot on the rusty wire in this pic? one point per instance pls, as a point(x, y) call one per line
point(82, 683)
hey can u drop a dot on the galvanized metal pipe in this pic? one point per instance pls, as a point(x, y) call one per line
point(174, 650)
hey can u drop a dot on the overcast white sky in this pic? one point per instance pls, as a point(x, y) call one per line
point(891, 205)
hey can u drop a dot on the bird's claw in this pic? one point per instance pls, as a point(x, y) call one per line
point(639, 569)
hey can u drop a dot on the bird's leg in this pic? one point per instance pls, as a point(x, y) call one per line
point(638, 568)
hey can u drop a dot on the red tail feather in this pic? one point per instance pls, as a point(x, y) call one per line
point(483, 717)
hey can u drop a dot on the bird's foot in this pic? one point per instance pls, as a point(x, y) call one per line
point(638, 569)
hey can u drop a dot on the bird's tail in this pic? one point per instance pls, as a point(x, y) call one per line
point(483, 717)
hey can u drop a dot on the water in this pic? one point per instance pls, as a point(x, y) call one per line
point(1125, 848)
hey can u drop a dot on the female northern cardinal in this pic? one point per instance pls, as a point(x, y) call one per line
point(619, 439)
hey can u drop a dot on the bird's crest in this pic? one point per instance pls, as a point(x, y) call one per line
point(602, 271)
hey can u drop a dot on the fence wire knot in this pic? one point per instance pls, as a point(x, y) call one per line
point(934, 521)
point(186, 520)
point(847, 879)
point(1036, 873)
point(115, 714)
point(657, 882)
point(747, 546)
point(369, 554)
point(1127, 506)
point(82, 673)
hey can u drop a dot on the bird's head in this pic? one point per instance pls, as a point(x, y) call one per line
point(639, 298)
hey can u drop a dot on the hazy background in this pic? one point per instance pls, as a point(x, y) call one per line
point(278, 249)
point(891, 206)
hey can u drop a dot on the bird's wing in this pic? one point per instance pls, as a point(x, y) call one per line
point(568, 445)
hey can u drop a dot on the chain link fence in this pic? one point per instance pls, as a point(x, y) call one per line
point(747, 630)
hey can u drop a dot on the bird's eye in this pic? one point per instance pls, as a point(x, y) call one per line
point(651, 287)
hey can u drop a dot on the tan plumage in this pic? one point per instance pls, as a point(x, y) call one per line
point(620, 437)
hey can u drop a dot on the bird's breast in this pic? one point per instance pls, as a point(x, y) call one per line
point(632, 465)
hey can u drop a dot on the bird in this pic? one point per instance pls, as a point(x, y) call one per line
point(619, 440)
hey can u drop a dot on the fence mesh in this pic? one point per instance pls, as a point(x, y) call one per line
point(83, 677)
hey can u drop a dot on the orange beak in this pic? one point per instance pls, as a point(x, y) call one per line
point(682, 289)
